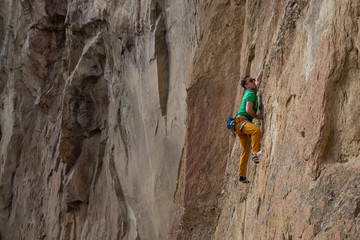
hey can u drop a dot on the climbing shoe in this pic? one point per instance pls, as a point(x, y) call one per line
point(255, 159)
point(243, 180)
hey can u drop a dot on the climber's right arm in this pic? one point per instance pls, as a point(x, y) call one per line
point(250, 110)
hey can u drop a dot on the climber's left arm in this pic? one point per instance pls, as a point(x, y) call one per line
point(259, 79)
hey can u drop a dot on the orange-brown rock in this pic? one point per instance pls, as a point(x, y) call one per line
point(306, 186)
point(113, 113)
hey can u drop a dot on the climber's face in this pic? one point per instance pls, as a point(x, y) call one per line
point(250, 82)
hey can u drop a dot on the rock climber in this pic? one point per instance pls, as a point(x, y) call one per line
point(246, 114)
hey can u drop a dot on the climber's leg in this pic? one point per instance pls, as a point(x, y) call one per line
point(245, 152)
point(255, 132)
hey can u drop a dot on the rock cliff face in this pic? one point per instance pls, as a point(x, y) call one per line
point(112, 119)
point(92, 118)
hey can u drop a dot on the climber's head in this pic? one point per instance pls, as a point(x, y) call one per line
point(247, 81)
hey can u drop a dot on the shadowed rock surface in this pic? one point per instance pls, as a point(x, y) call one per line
point(112, 119)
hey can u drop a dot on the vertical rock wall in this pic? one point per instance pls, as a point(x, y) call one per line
point(306, 186)
point(92, 117)
point(112, 119)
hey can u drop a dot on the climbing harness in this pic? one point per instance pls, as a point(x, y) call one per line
point(232, 125)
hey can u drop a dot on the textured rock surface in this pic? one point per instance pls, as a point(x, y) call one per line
point(112, 119)
point(307, 185)
point(92, 118)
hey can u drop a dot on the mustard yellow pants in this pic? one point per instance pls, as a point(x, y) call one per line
point(248, 130)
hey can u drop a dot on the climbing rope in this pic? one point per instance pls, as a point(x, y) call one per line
point(264, 65)
point(246, 192)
